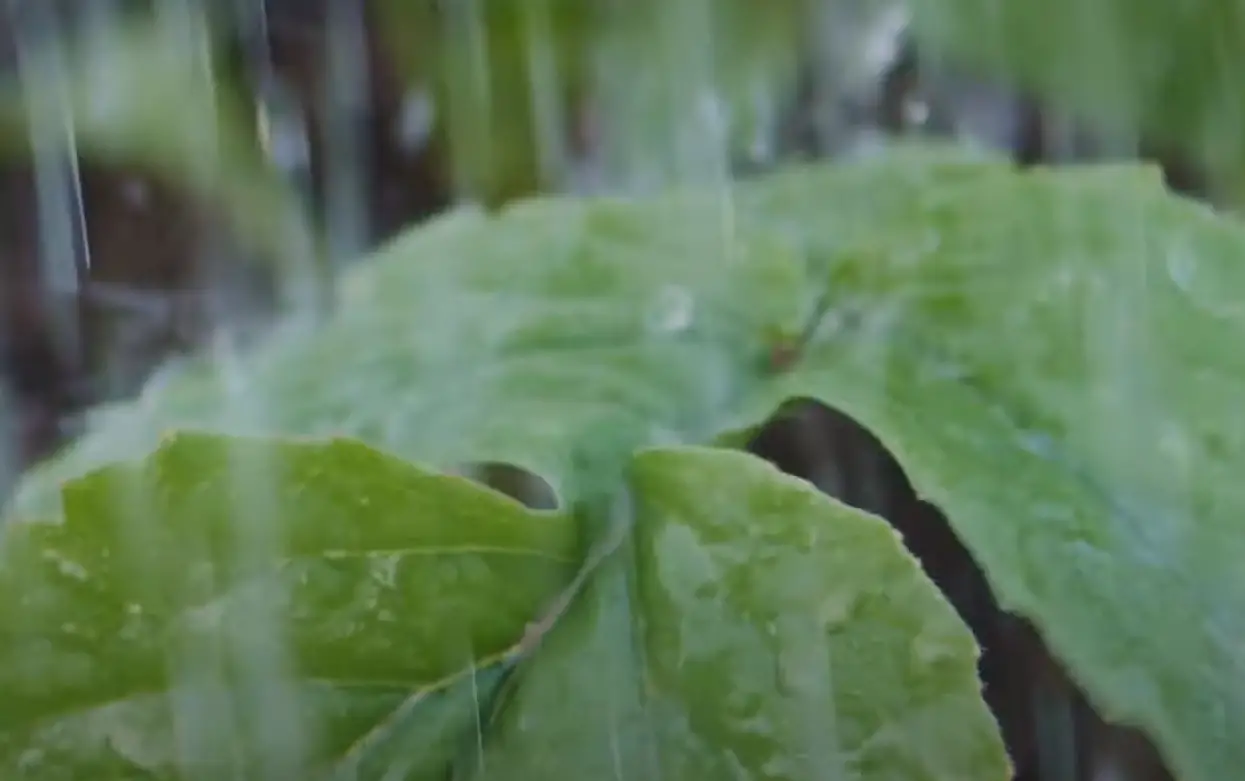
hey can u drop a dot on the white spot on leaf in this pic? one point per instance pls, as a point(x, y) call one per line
point(673, 311)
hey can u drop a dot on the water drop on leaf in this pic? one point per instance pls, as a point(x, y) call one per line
point(1207, 285)
point(836, 608)
point(673, 311)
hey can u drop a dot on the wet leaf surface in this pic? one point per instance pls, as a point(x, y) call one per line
point(455, 347)
point(1051, 362)
point(1051, 356)
point(200, 613)
point(765, 631)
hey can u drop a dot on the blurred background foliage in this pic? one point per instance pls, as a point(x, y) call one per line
point(656, 87)
point(174, 169)
point(1167, 71)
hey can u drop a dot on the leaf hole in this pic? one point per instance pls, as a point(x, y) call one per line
point(525, 487)
point(1025, 686)
point(832, 451)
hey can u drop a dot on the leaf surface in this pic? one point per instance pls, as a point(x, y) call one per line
point(765, 631)
point(558, 337)
point(1053, 356)
point(1055, 368)
point(242, 608)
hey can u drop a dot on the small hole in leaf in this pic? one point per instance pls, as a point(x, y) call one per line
point(1021, 676)
point(517, 483)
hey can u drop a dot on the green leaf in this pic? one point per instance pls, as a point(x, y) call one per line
point(1053, 356)
point(558, 337)
point(756, 628)
point(1057, 369)
point(242, 608)
point(1171, 69)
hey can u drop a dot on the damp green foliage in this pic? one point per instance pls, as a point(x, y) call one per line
point(784, 636)
point(797, 631)
point(516, 82)
point(252, 593)
point(559, 337)
point(1052, 356)
point(1171, 69)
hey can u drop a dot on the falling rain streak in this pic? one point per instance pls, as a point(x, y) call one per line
point(64, 254)
point(347, 93)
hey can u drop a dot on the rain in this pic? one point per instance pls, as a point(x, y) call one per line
point(313, 133)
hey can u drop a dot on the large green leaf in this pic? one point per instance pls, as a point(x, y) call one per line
point(238, 608)
point(755, 629)
point(559, 338)
point(1055, 365)
point(1053, 356)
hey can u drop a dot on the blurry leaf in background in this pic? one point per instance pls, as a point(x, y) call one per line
point(1162, 67)
point(146, 94)
point(682, 91)
point(759, 629)
point(504, 75)
point(662, 85)
point(257, 609)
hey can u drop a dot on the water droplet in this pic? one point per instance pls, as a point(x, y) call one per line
point(31, 760)
point(685, 567)
point(713, 112)
point(415, 121)
point(802, 656)
point(1038, 443)
point(836, 608)
point(916, 112)
point(764, 118)
point(948, 370)
point(67, 567)
point(673, 310)
point(931, 647)
point(136, 192)
point(1213, 284)
point(282, 133)
point(1174, 443)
